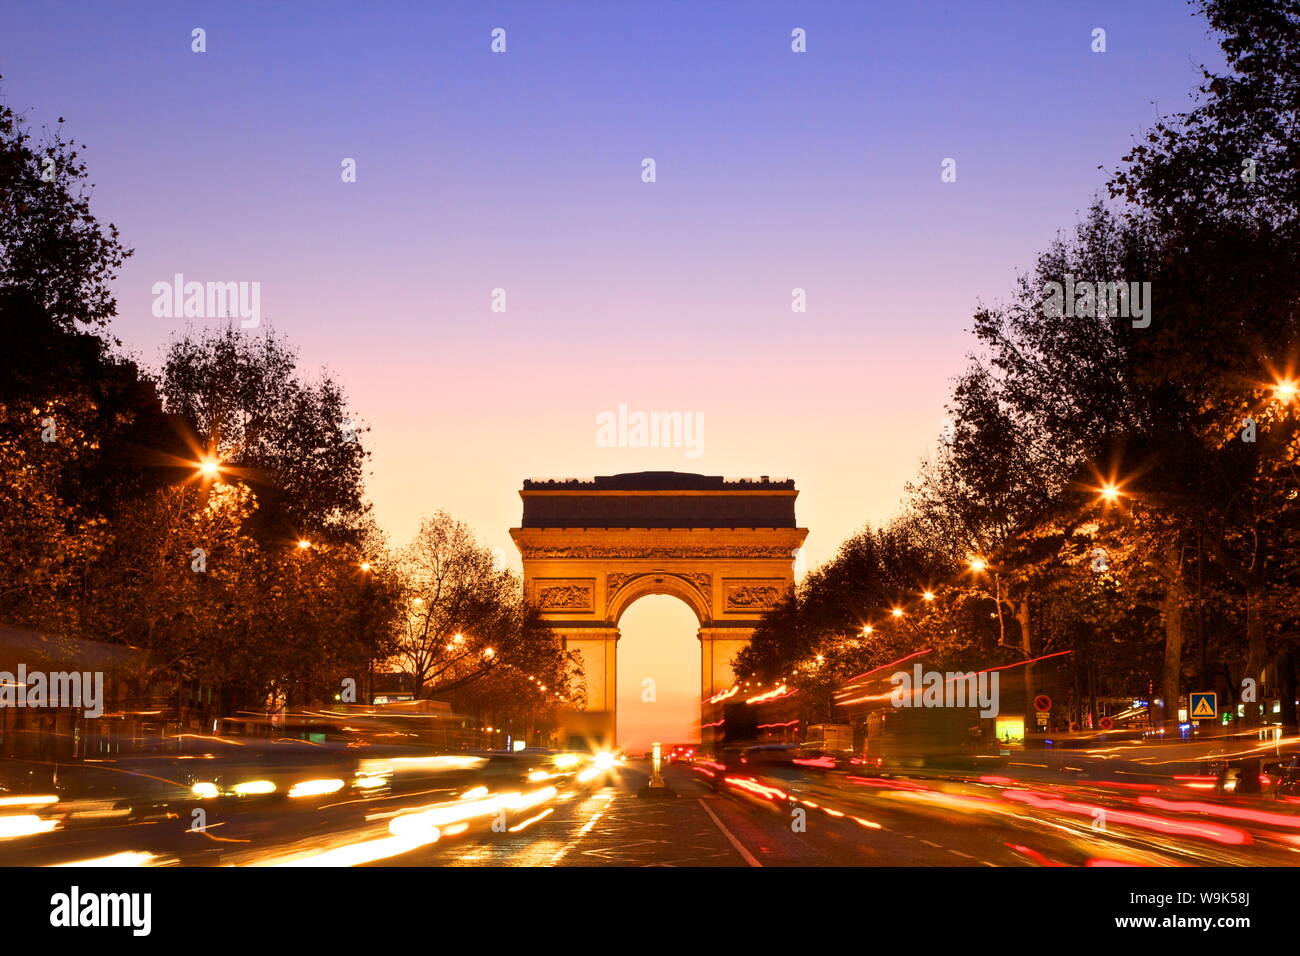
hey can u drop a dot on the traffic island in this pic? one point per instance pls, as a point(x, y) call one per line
point(661, 792)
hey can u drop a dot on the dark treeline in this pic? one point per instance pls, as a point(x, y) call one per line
point(211, 513)
point(1119, 478)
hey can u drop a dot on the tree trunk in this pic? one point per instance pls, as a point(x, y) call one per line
point(1256, 654)
point(1094, 712)
point(1002, 627)
point(1286, 668)
point(1023, 618)
point(1172, 614)
point(1078, 694)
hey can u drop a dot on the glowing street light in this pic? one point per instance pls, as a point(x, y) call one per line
point(978, 565)
point(209, 468)
point(867, 630)
point(1286, 390)
point(1110, 492)
point(365, 567)
point(489, 652)
point(303, 544)
point(928, 596)
point(897, 612)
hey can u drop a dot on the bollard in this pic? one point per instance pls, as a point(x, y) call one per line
point(656, 787)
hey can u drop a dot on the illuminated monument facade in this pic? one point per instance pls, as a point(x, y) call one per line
point(591, 548)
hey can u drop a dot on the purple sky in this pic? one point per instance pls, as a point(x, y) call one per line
point(522, 171)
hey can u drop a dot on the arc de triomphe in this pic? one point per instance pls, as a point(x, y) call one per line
point(591, 548)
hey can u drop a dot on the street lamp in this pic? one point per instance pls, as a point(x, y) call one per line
point(978, 566)
point(1110, 492)
point(928, 596)
point(1286, 390)
point(867, 630)
point(365, 567)
point(303, 544)
point(209, 468)
point(897, 612)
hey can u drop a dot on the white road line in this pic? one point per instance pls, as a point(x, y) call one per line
point(586, 828)
point(935, 845)
point(749, 857)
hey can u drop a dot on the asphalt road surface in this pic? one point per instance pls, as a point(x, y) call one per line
point(760, 816)
point(612, 826)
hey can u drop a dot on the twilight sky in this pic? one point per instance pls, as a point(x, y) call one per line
point(522, 171)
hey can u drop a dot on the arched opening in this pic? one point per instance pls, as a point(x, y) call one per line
point(658, 673)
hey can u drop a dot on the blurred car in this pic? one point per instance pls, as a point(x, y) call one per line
point(788, 761)
point(1284, 776)
point(754, 758)
point(256, 769)
point(509, 770)
point(92, 791)
point(1252, 776)
point(680, 753)
point(538, 767)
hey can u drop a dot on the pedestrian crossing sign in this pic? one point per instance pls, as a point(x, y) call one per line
point(1205, 705)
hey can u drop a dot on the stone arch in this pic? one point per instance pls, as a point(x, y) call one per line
point(592, 548)
point(692, 588)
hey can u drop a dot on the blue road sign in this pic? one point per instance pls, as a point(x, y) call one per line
point(1204, 705)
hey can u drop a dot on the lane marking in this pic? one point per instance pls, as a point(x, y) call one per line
point(531, 820)
point(586, 828)
point(749, 857)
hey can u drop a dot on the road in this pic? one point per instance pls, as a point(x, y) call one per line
point(762, 817)
point(816, 822)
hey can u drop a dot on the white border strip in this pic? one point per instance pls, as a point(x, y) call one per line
point(749, 857)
